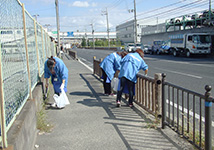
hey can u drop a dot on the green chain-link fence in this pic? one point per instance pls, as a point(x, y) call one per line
point(25, 45)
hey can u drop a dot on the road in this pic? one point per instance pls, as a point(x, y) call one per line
point(190, 73)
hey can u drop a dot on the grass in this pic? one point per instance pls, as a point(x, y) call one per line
point(42, 122)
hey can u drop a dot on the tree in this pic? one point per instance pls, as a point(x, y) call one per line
point(83, 42)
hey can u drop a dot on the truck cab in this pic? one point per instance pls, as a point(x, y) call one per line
point(192, 43)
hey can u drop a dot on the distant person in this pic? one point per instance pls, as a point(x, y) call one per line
point(56, 69)
point(110, 65)
point(131, 64)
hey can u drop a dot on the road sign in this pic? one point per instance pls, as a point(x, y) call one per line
point(70, 34)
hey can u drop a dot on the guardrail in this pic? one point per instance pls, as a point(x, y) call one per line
point(73, 54)
point(179, 108)
point(183, 112)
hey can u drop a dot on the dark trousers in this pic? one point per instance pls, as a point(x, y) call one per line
point(107, 86)
point(123, 82)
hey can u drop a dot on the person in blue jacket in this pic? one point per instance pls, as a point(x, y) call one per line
point(131, 64)
point(56, 69)
point(109, 66)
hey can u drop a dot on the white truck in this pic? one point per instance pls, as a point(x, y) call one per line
point(190, 43)
point(129, 47)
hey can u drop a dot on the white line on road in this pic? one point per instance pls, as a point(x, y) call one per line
point(197, 116)
point(86, 65)
point(187, 63)
point(185, 74)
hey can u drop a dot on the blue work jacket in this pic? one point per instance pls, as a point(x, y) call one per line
point(131, 64)
point(111, 64)
point(61, 72)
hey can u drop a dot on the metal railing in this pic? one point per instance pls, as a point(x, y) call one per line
point(183, 111)
point(24, 46)
point(148, 94)
point(96, 66)
point(180, 109)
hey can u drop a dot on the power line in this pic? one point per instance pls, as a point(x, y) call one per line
point(168, 11)
point(171, 10)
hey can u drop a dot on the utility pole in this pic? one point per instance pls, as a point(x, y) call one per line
point(58, 30)
point(35, 16)
point(47, 25)
point(135, 24)
point(93, 34)
point(106, 13)
point(210, 10)
point(157, 24)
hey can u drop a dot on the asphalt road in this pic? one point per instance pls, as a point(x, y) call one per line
point(190, 73)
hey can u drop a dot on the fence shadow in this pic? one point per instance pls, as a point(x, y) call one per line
point(130, 124)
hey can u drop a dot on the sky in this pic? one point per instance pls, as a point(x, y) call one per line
point(79, 15)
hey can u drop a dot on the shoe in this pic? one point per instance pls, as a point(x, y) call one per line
point(106, 94)
point(54, 105)
point(118, 104)
point(131, 105)
point(112, 94)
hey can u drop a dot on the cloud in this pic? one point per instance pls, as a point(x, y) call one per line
point(80, 4)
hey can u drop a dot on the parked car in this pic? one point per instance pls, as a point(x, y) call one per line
point(138, 45)
point(175, 20)
point(197, 15)
point(129, 47)
point(147, 49)
point(205, 14)
point(186, 18)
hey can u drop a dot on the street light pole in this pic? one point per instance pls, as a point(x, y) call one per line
point(93, 34)
point(106, 13)
point(58, 30)
point(135, 24)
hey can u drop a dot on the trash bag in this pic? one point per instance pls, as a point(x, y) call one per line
point(61, 100)
point(114, 84)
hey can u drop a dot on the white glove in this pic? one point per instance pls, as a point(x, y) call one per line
point(62, 86)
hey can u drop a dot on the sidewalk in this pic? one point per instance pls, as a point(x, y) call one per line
point(93, 122)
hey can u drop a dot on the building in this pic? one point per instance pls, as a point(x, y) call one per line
point(76, 37)
point(125, 32)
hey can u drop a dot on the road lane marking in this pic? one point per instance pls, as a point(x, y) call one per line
point(197, 116)
point(179, 62)
point(86, 65)
point(185, 74)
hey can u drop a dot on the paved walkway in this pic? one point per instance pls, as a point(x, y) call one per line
point(93, 122)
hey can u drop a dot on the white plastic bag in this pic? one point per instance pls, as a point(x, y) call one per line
point(115, 84)
point(61, 100)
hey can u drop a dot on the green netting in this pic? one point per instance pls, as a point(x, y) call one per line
point(14, 66)
point(31, 44)
point(14, 63)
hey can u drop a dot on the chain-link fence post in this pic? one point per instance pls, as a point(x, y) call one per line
point(2, 107)
point(37, 50)
point(43, 51)
point(46, 50)
point(26, 48)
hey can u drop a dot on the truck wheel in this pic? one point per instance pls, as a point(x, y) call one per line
point(175, 53)
point(187, 53)
point(158, 52)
